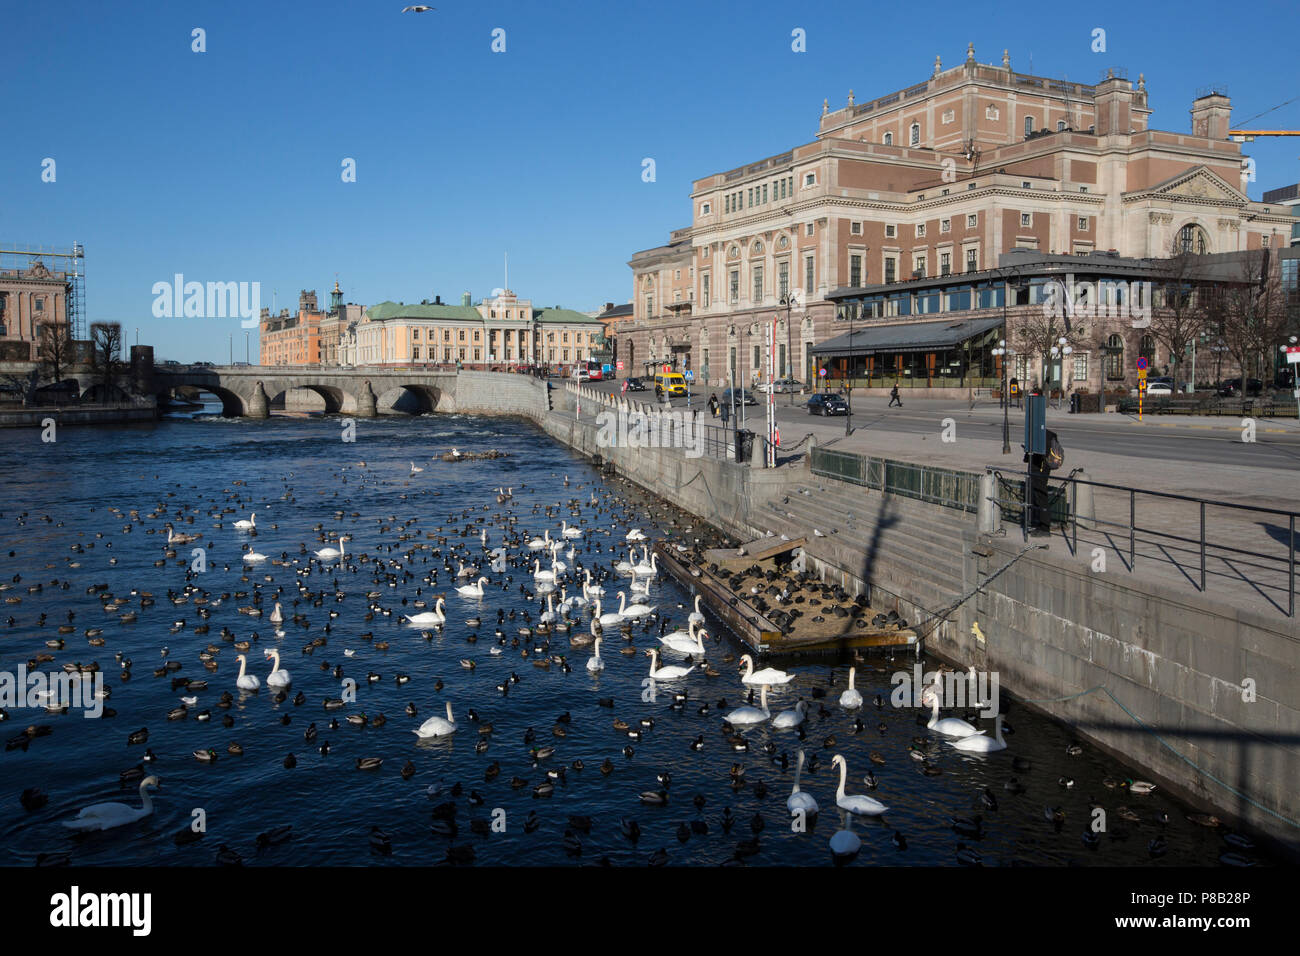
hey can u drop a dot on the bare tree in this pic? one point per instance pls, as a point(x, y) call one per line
point(106, 353)
point(1181, 318)
point(55, 351)
point(1250, 314)
point(1038, 331)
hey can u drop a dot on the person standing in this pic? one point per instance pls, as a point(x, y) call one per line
point(726, 413)
point(893, 397)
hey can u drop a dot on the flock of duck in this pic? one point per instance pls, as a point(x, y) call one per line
point(454, 584)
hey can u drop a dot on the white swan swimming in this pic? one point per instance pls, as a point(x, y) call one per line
point(246, 681)
point(648, 568)
point(594, 663)
point(799, 799)
point(249, 524)
point(105, 816)
point(415, 470)
point(570, 532)
point(949, 726)
point(611, 619)
point(253, 557)
point(636, 534)
point(855, 803)
point(749, 714)
point(697, 616)
point(852, 697)
point(474, 590)
point(328, 553)
point(768, 675)
point(845, 845)
point(541, 575)
point(981, 743)
point(279, 677)
point(537, 544)
point(438, 726)
point(589, 589)
point(789, 719)
point(436, 616)
point(631, 611)
point(686, 642)
point(548, 616)
point(669, 672)
point(277, 615)
point(625, 567)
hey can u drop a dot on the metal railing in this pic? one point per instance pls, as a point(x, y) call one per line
point(941, 486)
point(1244, 551)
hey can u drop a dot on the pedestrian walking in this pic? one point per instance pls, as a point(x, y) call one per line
point(893, 397)
point(726, 414)
point(713, 405)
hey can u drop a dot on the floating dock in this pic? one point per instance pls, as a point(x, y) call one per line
point(758, 632)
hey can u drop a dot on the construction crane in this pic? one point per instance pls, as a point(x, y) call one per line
point(1248, 135)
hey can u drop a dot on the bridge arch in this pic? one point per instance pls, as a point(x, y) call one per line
point(408, 398)
point(232, 403)
point(335, 398)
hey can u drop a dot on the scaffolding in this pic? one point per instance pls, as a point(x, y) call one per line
point(70, 262)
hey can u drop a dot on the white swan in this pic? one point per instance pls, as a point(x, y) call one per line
point(851, 698)
point(249, 524)
point(246, 681)
point(949, 726)
point(541, 575)
point(647, 568)
point(845, 845)
point(538, 543)
point(438, 726)
point(589, 589)
point(697, 616)
point(789, 719)
point(594, 663)
point(798, 799)
point(105, 816)
point(329, 553)
point(474, 590)
point(612, 619)
point(436, 616)
point(253, 557)
point(751, 715)
point(279, 677)
point(624, 567)
point(670, 672)
point(982, 743)
point(548, 616)
point(856, 803)
point(686, 642)
point(277, 615)
point(415, 470)
point(631, 611)
point(570, 532)
point(636, 534)
point(768, 675)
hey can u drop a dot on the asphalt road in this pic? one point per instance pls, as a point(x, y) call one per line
point(1155, 439)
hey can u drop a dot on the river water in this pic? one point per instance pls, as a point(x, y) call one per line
point(80, 512)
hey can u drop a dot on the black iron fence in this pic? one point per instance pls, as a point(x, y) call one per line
point(941, 486)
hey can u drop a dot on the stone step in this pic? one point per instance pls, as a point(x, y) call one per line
point(930, 531)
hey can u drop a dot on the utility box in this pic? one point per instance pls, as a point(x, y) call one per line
point(1036, 424)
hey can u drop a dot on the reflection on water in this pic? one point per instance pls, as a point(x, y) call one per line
point(79, 513)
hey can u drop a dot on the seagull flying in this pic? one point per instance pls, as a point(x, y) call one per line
point(418, 8)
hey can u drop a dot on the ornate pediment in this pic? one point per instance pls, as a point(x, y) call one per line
point(1198, 184)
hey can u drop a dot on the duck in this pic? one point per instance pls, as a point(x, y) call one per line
point(800, 800)
point(106, 816)
point(246, 681)
point(855, 803)
point(768, 675)
point(982, 743)
point(437, 726)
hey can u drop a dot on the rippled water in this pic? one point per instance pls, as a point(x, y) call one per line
point(298, 474)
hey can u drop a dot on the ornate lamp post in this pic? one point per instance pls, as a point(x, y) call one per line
point(1005, 353)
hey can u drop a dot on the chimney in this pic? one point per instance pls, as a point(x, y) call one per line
point(1210, 115)
point(608, 306)
point(437, 300)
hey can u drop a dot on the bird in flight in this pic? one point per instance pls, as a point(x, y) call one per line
point(418, 8)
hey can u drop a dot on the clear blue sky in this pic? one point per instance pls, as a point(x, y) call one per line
point(225, 165)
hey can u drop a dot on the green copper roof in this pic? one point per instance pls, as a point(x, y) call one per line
point(567, 316)
point(469, 313)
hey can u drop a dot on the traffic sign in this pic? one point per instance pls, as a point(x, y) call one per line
point(1293, 353)
point(688, 375)
point(821, 372)
point(620, 365)
point(1142, 363)
point(1142, 375)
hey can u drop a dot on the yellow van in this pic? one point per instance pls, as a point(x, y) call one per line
point(671, 382)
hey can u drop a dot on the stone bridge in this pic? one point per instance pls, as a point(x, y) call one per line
point(250, 391)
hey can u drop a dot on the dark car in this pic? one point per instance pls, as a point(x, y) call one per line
point(742, 397)
point(635, 385)
point(1232, 387)
point(827, 403)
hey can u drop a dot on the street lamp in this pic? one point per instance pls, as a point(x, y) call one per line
point(1059, 351)
point(788, 300)
point(1005, 353)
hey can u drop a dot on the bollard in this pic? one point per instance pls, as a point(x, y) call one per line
point(989, 513)
point(808, 457)
point(1084, 507)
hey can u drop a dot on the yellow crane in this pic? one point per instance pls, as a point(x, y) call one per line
point(1248, 135)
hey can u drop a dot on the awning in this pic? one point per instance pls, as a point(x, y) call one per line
point(906, 337)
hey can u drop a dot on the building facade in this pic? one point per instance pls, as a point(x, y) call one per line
point(310, 336)
point(942, 177)
point(501, 332)
point(30, 297)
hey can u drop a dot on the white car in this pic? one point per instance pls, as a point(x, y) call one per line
point(581, 375)
point(1159, 390)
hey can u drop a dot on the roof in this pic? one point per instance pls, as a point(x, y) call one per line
point(565, 316)
point(469, 313)
point(906, 337)
point(616, 312)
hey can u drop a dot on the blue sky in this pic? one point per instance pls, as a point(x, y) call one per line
point(225, 165)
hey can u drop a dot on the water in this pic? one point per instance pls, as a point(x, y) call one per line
point(298, 474)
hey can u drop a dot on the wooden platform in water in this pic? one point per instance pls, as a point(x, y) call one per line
point(770, 547)
point(759, 633)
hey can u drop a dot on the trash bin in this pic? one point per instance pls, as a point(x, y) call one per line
point(744, 445)
point(1076, 403)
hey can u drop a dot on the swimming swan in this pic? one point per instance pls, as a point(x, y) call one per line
point(751, 715)
point(105, 816)
point(279, 677)
point(474, 590)
point(856, 803)
point(438, 726)
point(428, 617)
point(671, 672)
point(246, 681)
point(982, 743)
point(768, 675)
point(949, 726)
point(851, 698)
point(798, 799)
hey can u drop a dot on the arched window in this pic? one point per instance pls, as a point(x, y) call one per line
point(915, 136)
point(1060, 126)
point(1029, 126)
point(889, 139)
point(1191, 240)
point(1115, 357)
point(1147, 349)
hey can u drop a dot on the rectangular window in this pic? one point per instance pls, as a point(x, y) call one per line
point(649, 306)
point(733, 286)
point(705, 289)
point(918, 267)
point(765, 192)
point(758, 284)
point(972, 261)
point(38, 303)
point(705, 209)
point(1029, 126)
point(1080, 373)
point(783, 278)
point(415, 353)
point(1083, 223)
point(891, 268)
point(809, 274)
point(891, 230)
point(855, 270)
point(564, 337)
point(808, 229)
point(476, 335)
point(758, 360)
point(920, 230)
point(462, 334)
point(972, 220)
point(855, 228)
point(780, 360)
point(478, 354)
point(810, 179)
point(945, 225)
point(750, 198)
point(945, 263)
point(726, 204)
point(1026, 219)
point(564, 355)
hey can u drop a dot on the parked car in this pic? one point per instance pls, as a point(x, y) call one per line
point(580, 374)
point(1160, 389)
point(827, 403)
point(635, 385)
point(743, 397)
point(1232, 387)
point(673, 383)
point(782, 385)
